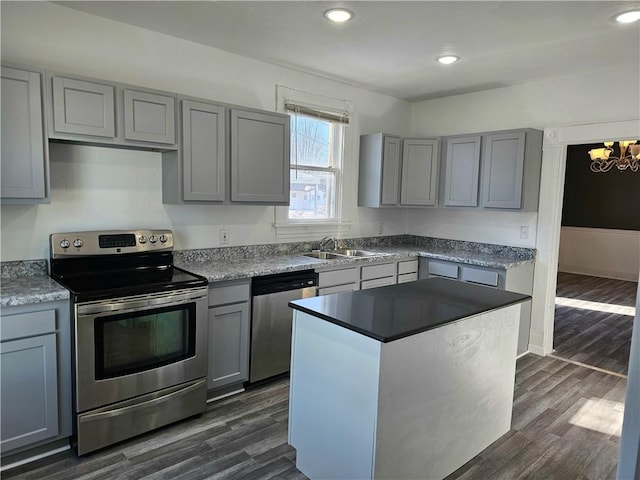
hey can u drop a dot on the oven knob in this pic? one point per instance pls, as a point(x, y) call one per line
point(77, 243)
point(64, 243)
point(163, 238)
point(153, 239)
point(142, 239)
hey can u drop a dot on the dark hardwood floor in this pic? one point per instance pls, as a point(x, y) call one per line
point(593, 320)
point(566, 425)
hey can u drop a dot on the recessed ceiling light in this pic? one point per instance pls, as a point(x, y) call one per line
point(628, 17)
point(338, 15)
point(448, 59)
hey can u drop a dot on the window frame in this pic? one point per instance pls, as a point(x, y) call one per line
point(301, 229)
point(336, 162)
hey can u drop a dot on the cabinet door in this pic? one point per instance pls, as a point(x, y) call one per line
point(23, 143)
point(149, 117)
point(462, 171)
point(419, 172)
point(390, 171)
point(203, 151)
point(259, 157)
point(228, 345)
point(84, 108)
point(29, 391)
point(502, 170)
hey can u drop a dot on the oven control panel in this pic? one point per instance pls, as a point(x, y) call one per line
point(109, 242)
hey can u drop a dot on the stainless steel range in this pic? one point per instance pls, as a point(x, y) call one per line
point(140, 333)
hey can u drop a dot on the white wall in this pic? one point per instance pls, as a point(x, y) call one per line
point(583, 98)
point(110, 188)
point(600, 252)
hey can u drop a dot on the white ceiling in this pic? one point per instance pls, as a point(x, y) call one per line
point(390, 47)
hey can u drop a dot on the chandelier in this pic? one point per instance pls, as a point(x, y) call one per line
point(602, 161)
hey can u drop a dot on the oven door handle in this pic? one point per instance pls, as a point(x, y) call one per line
point(107, 413)
point(132, 304)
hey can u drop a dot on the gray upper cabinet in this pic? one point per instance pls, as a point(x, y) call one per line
point(462, 170)
point(419, 172)
point(379, 174)
point(203, 151)
point(83, 107)
point(260, 143)
point(24, 161)
point(110, 114)
point(149, 117)
point(503, 170)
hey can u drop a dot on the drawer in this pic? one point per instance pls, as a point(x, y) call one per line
point(476, 275)
point(378, 271)
point(229, 294)
point(378, 282)
point(408, 277)
point(27, 324)
point(407, 266)
point(442, 269)
point(338, 277)
point(349, 287)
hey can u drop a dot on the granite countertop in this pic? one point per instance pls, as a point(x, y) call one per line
point(222, 269)
point(397, 311)
point(27, 282)
point(217, 270)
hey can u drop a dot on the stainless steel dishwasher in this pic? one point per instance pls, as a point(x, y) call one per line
point(271, 320)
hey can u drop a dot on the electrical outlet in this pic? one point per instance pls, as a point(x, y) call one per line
point(524, 232)
point(224, 236)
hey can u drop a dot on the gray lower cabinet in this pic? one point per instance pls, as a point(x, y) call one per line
point(25, 158)
point(36, 375)
point(420, 158)
point(83, 107)
point(29, 390)
point(379, 174)
point(260, 144)
point(461, 171)
point(229, 322)
point(517, 279)
point(149, 117)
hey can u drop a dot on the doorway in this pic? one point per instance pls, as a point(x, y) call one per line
point(598, 263)
point(554, 153)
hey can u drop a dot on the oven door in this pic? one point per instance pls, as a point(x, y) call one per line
point(132, 346)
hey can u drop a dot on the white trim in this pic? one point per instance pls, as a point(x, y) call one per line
point(34, 458)
point(549, 217)
point(297, 231)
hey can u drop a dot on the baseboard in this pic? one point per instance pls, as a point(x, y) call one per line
point(597, 272)
point(28, 457)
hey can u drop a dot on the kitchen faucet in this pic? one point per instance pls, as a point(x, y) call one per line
point(325, 240)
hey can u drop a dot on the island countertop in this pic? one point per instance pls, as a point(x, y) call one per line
point(397, 311)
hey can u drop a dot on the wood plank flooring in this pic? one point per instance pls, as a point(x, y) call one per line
point(566, 425)
point(593, 320)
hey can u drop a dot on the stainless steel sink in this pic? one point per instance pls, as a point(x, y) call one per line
point(356, 253)
point(323, 255)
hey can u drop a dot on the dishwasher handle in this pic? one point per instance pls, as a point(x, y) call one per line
point(283, 282)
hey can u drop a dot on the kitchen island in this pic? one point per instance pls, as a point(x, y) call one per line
point(408, 381)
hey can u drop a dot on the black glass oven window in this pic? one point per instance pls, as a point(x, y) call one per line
point(139, 341)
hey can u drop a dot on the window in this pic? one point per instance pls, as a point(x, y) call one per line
point(316, 160)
